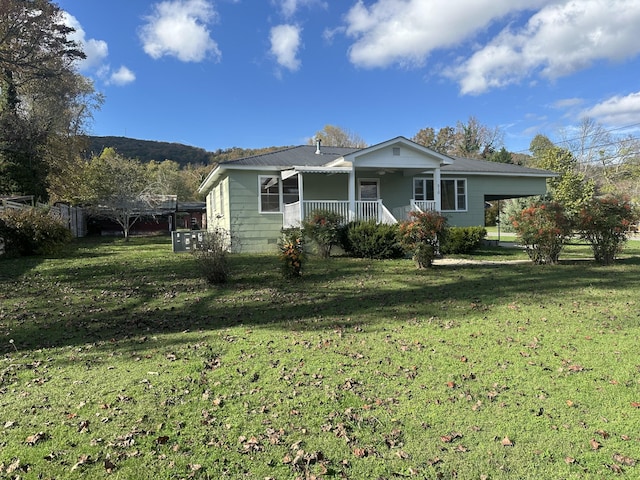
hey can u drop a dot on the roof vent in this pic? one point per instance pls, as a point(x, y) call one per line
point(318, 142)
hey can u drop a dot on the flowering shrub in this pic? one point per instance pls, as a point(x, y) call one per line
point(323, 227)
point(604, 222)
point(543, 228)
point(421, 236)
point(292, 252)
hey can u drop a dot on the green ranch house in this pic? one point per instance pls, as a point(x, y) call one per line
point(255, 197)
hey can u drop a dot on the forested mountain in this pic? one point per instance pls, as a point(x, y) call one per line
point(148, 150)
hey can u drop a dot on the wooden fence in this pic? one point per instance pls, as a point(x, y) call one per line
point(74, 218)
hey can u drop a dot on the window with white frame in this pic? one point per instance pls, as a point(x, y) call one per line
point(269, 193)
point(274, 192)
point(423, 189)
point(454, 194)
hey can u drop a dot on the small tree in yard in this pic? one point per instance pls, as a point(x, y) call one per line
point(323, 227)
point(604, 222)
point(211, 258)
point(543, 229)
point(422, 235)
point(117, 189)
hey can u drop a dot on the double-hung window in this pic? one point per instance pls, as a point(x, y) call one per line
point(423, 189)
point(274, 192)
point(454, 194)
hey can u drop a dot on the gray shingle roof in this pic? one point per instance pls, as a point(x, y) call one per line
point(303, 155)
point(471, 165)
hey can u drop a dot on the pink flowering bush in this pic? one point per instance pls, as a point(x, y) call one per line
point(422, 236)
point(604, 223)
point(543, 229)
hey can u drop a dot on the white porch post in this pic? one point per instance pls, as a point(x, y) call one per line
point(436, 189)
point(301, 197)
point(352, 195)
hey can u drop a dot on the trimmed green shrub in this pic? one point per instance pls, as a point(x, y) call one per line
point(462, 239)
point(323, 227)
point(368, 239)
point(33, 231)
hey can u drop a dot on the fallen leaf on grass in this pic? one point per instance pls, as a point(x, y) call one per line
point(36, 438)
point(635, 404)
point(569, 460)
point(506, 442)
point(630, 462)
point(109, 466)
point(82, 460)
point(615, 468)
point(450, 438)
point(15, 466)
point(595, 445)
point(360, 452)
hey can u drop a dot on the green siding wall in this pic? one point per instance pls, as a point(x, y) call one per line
point(251, 230)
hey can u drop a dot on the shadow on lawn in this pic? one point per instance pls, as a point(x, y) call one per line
point(99, 300)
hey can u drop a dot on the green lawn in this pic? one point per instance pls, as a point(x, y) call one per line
point(117, 362)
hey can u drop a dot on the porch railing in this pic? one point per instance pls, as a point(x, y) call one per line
point(423, 205)
point(364, 210)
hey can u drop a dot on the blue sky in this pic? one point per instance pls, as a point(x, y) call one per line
point(257, 73)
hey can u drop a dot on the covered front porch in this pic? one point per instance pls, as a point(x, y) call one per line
point(312, 189)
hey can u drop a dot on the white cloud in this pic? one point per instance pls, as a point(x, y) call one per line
point(558, 40)
point(568, 103)
point(285, 42)
point(179, 28)
point(95, 50)
point(122, 76)
point(405, 32)
point(617, 110)
point(290, 7)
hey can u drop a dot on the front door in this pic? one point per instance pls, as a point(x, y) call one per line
point(369, 189)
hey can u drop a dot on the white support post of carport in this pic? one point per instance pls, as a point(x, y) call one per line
point(352, 195)
point(301, 197)
point(437, 191)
